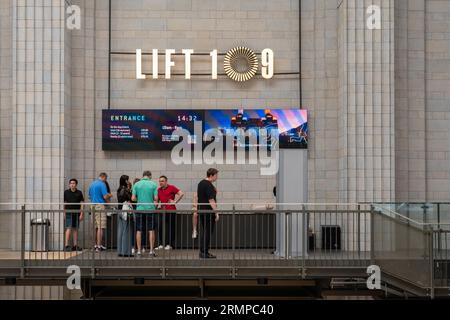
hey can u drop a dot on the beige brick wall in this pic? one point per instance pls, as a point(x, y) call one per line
point(422, 100)
point(5, 99)
point(410, 101)
point(202, 25)
point(5, 117)
point(320, 96)
point(348, 161)
point(437, 75)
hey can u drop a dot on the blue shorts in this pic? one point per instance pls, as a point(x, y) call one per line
point(72, 220)
point(150, 220)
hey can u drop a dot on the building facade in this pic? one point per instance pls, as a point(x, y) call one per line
point(378, 100)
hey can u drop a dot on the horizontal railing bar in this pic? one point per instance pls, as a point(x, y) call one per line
point(228, 266)
point(204, 266)
point(403, 222)
point(188, 203)
point(380, 210)
point(192, 210)
point(406, 203)
point(334, 267)
point(238, 211)
point(200, 266)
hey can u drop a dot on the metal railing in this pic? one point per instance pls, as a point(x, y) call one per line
point(288, 239)
point(295, 236)
point(441, 255)
point(402, 248)
point(415, 250)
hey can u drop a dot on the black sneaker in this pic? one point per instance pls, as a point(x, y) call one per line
point(67, 248)
point(76, 248)
point(207, 256)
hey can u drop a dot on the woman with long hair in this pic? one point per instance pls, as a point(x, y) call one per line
point(124, 232)
point(124, 191)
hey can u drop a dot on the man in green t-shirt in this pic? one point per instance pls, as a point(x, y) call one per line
point(145, 193)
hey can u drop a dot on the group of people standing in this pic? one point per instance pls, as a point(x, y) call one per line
point(144, 208)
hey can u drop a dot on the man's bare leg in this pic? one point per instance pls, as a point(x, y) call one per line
point(67, 236)
point(138, 240)
point(194, 222)
point(99, 236)
point(152, 239)
point(75, 237)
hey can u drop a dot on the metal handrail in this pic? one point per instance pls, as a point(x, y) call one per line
point(409, 219)
point(190, 211)
point(300, 261)
point(191, 203)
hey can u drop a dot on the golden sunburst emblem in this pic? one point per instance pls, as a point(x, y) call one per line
point(240, 64)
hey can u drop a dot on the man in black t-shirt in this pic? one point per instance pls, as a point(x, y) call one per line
point(72, 219)
point(207, 205)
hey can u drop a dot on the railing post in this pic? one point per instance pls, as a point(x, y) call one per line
point(286, 236)
point(372, 235)
point(22, 243)
point(305, 237)
point(431, 262)
point(358, 219)
point(92, 207)
point(439, 226)
point(233, 242)
point(163, 240)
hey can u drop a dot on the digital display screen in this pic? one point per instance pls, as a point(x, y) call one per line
point(142, 130)
point(291, 125)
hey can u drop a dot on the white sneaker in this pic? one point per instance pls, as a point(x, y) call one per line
point(160, 247)
point(133, 250)
point(152, 253)
point(139, 253)
point(143, 250)
point(168, 247)
point(194, 234)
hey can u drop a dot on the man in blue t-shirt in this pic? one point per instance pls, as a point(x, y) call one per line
point(99, 195)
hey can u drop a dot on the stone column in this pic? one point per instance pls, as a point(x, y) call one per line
point(5, 118)
point(366, 69)
point(40, 106)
